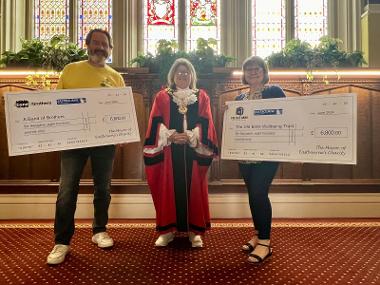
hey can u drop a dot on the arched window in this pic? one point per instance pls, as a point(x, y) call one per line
point(93, 14)
point(50, 18)
point(310, 20)
point(268, 26)
point(160, 22)
point(202, 22)
point(163, 21)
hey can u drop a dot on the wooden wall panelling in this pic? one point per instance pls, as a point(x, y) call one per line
point(129, 162)
point(375, 118)
point(4, 159)
point(290, 170)
point(46, 166)
point(17, 167)
point(339, 171)
point(347, 171)
point(363, 168)
point(87, 171)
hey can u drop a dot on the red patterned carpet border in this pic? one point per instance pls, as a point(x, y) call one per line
point(304, 253)
point(213, 225)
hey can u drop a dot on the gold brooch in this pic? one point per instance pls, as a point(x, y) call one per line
point(182, 109)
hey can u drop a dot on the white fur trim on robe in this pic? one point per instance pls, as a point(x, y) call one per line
point(195, 143)
point(163, 136)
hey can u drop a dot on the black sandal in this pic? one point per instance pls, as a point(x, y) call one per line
point(248, 247)
point(259, 258)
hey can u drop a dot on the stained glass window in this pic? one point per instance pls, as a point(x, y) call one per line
point(310, 20)
point(203, 21)
point(268, 26)
point(93, 14)
point(51, 17)
point(160, 22)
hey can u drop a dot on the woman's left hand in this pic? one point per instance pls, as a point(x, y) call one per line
point(180, 138)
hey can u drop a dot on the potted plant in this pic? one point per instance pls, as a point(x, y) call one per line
point(204, 58)
point(30, 55)
point(328, 54)
point(52, 55)
point(59, 52)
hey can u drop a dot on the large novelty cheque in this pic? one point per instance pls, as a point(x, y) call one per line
point(316, 129)
point(70, 118)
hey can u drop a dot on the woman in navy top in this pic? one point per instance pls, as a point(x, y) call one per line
point(258, 175)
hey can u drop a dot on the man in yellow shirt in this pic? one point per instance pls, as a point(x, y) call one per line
point(90, 73)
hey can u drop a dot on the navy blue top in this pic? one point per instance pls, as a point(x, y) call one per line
point(270, 91)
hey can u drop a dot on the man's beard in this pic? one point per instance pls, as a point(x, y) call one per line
point(98, 56)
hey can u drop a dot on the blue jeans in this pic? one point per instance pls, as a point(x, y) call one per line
point(258, 178)
point(72, 164)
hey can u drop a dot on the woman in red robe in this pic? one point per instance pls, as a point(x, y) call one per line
point(179, 147)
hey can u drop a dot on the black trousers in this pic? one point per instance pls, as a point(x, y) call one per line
point(72, 164)
point(258, 178)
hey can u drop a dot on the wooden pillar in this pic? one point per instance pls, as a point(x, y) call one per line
point(125, 31)
point(370, 32)
point(13, 24)
point(343, 22)
point(236, 29)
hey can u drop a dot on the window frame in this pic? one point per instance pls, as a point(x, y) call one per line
point(182, 12)
point(73, 20)
point(289, 22)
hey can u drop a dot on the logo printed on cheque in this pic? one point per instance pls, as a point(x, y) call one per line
point(22, 103)
point(266, 112)
point(71, 101)
point(239, 111)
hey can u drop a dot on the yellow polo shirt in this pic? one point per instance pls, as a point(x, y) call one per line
point(82, 74)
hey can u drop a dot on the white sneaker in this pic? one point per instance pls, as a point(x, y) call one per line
point(163, 240)
point(57, 255)
point(103, 240)
point(196, 240)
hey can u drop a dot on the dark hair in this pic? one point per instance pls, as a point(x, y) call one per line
point(89, 36)
point(261, 63)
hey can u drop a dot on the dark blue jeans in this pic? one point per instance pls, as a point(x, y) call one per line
point(258, 178)
point(72, 164)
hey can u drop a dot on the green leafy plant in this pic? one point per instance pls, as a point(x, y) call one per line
point(59, 52)
point(204, 58)
point(329, 53)
point(162, 61)
point(53, 54)
point(30, 55)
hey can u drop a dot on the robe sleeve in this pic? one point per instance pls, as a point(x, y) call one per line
point(162, 141)
point(205, 131)
point(157, 133)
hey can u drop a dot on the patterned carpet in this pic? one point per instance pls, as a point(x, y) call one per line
point(304, 253)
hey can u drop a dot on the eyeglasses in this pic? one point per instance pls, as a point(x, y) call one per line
point(182, 73)
point(254, 69)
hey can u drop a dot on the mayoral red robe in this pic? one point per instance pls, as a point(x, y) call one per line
point(177, 174)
